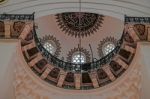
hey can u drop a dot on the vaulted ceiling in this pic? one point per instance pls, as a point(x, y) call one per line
point(115, 8)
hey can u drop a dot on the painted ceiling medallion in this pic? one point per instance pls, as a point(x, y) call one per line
point(79, 24)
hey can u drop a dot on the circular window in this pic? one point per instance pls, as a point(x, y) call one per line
point(78, 58)
point(108, 47)
point(50, 47)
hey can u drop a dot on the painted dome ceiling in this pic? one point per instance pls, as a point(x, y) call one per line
point(79, 24)
point(67, 28)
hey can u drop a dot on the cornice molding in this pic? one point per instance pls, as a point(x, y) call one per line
point(104, 7)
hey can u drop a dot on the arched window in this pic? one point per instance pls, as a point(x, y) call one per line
point(50, 47)
point(78, 58)
point(108, 47)
point(51, 44)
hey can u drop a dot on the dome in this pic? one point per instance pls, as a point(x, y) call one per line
point(68, 27)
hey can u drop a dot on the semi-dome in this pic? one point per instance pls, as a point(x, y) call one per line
point(65, 61)
point(74, 49)
point(93, 51)
point(67, 28)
